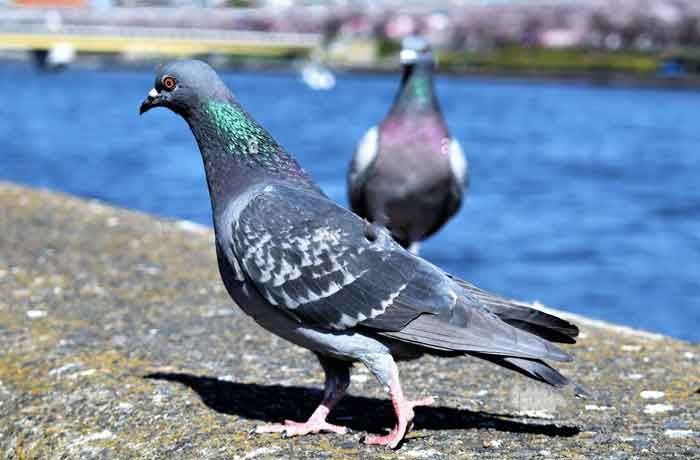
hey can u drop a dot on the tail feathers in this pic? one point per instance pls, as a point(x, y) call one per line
point(547, 333)
point(536, 370)
point(481, 332)
point(524, 317)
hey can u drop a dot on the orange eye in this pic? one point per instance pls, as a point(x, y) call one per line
point(169, 83)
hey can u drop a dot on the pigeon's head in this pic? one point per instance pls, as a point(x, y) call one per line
point(182, 85)
point(416, 50)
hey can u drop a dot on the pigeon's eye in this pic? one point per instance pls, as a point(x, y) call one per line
point(169, 83)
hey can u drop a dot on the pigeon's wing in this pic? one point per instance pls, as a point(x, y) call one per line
point(459, 182)
point(459, 166)
point(327, 267)
point(362, 160)
point(330, 269)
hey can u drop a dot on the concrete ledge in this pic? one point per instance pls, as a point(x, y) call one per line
point(117, 341)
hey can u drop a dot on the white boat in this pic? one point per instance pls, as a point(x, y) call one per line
point(317, 76)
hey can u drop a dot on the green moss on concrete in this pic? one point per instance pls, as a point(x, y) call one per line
point(139, 353)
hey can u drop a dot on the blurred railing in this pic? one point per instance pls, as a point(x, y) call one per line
point(160, 40)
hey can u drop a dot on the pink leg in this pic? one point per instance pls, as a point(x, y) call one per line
point(403, 409)
point(337, 381)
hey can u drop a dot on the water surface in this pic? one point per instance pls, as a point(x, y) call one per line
point(583, 198)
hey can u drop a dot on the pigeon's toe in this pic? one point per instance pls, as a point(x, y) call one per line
point(291, 428)
point(390, 440)
point(311, 426)
point(270, 428)
point(404, 413)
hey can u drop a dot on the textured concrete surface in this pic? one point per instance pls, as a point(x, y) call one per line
point(117, 341)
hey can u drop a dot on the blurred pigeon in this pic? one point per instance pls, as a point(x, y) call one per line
point(321, 277)
point(409, 174)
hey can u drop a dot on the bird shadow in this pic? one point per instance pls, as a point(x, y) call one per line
point(275, 403)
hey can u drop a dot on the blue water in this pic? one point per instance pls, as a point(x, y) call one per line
point(584, 198)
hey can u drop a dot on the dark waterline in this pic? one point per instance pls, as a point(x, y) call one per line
point(583, 198)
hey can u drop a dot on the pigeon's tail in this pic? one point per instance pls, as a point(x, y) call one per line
point(471, 329)
point(536, 370)
point(533, 368)
point(539, 323)
point(505, 333)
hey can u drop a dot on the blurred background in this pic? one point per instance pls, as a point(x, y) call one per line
point(580, 120)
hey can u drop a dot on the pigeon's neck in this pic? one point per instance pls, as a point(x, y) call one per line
point(238, 152)
point(417, 93)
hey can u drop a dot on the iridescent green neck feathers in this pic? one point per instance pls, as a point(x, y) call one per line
point(416, 92)
point(241, 135)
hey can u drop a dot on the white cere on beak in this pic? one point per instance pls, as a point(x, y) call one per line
point(408, 56)
point(153, 93)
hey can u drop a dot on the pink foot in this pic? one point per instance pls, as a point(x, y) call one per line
point(404, 413)
point(291, 428)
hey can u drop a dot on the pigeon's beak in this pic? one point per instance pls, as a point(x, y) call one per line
point(153, 99)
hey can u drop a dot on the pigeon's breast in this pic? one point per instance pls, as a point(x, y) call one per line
point(413, 149)
point(411, 178)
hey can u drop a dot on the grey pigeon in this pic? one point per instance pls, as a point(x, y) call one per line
point(408, 174)
point(321, 277)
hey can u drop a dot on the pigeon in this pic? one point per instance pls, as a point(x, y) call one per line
point(316, 274)
point(408, 174)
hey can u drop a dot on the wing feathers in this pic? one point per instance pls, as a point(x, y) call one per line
point(306, 254)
